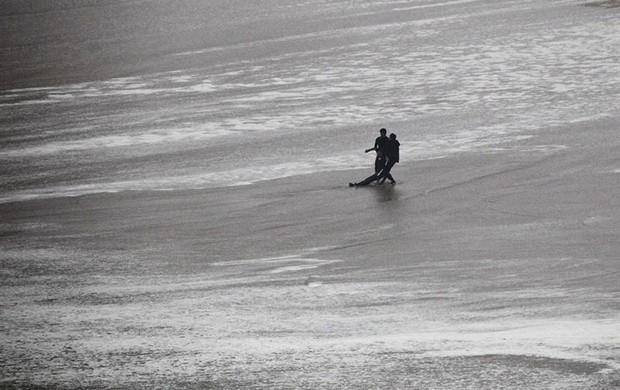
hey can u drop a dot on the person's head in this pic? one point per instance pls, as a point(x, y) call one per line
point(392, 136)
point(383, 131)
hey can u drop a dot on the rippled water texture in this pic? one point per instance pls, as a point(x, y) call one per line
point(175, 209)
point(230, 93)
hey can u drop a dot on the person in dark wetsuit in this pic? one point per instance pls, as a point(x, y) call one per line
point(366, 181)
point(391, 152)
point(380, 149)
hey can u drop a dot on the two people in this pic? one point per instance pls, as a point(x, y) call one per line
point(387, 149)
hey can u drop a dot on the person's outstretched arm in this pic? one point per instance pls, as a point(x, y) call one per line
point(375, 148)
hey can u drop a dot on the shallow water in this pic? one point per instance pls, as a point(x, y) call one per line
point(303, 282)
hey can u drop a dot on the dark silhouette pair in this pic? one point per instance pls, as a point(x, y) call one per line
point(387, 149)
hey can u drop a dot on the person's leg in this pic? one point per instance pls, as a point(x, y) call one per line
point(389, 173)
point(366, 181)
point(379, 164)
point(386, 172)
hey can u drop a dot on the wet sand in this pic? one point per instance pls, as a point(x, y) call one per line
point(604, 4)
point(489, 270)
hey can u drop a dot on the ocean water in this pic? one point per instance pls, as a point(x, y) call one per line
point(262, 286)
point(151, 95)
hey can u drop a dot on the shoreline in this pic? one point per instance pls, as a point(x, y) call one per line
point(524, 143)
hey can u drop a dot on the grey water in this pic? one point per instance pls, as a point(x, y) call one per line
point(153, 95)
point(266, 286)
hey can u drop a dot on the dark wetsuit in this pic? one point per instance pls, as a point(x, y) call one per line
point(380, 148)
point(391, 152)
point(367, 180)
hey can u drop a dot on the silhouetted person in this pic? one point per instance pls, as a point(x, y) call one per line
point(391, 153)
point(380, 148)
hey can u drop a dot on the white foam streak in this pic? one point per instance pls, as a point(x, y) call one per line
point(179, 134)
point(168, 83)
point(432, 148)
point(434, 5)
point(278, 265)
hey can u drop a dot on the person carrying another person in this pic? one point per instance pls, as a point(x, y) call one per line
point(389, 159)
point(391, 153)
